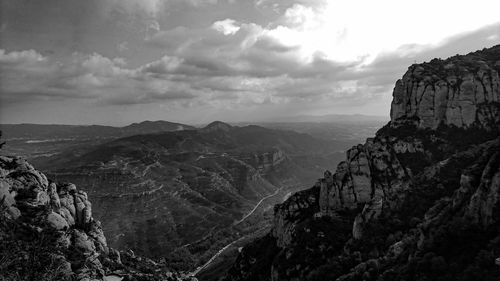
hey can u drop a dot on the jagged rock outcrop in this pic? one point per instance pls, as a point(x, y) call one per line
point(29, 197)
point(371, 178)
point(421, 200)
point(463, 91)
point(485, 199)
point(47, 232)
point(267, 161)
point(460, 92)
point(299, 205)
point(472, 209)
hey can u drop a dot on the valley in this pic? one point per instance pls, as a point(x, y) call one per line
point(182, 195)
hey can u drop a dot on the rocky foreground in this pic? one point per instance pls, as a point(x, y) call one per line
point(419, 201)
point(47, 232)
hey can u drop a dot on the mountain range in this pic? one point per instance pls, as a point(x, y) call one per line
point(43, 131)
point(158, 193)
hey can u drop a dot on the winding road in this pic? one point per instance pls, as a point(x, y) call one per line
point(200, 268)
point(257, 206)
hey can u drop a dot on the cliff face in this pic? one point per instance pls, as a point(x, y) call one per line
point(299, 206)
point(47, 232)
point(267, 161)
point(371, 179)
point(420, 200)
point(463, 91)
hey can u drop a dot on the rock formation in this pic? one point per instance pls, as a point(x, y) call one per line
point(267, 161)
point(460, 92)
point(419, 201)
point(298, 206)
point(47, 232)
point(463, 91)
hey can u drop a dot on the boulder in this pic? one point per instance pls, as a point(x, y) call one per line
point(57, 221)
point(82, 242)
point(5, 195)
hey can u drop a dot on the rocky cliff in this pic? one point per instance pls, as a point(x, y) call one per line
point(463, 91)
point(47, 232)
point(419, 201)
point(266, 162)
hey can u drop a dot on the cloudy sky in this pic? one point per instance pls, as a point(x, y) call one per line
point(121, 61)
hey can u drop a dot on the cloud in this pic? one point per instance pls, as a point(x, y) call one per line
point(149, 7)
point(164, 65)
point(122, 47)
point(102, 80)
point(231, 48)
point(28, 76)
point(303, 17)
point(22, 57)
point(227, 26)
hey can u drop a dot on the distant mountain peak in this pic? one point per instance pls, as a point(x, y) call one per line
point(217, 126)
point(150, 122)
point(159, 125)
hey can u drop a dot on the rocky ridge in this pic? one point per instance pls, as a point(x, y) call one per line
point(419, 201)
point(463, 91)
point(47, 232)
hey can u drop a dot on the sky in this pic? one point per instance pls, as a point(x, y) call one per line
point(116, 62)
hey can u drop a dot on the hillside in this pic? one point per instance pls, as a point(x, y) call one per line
point(159, 193)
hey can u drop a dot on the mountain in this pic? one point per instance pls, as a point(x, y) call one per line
point(217, 126)
point(180, 195)
point(418, 201)
point(38, 142)
point(47, 232)
point(347, 128)
point(54, 132)
point(331, 118)
point(147, 127)
point(344, 134)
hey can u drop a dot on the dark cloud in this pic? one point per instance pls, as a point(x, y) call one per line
point(267, 43)
point(28, 75)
